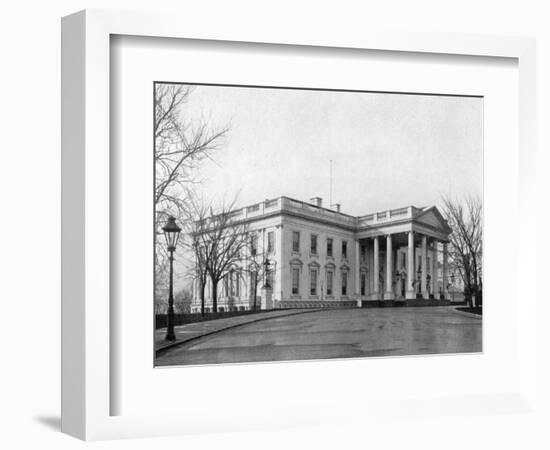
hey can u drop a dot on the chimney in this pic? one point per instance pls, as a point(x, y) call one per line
point(317, 201)
point(337, 207)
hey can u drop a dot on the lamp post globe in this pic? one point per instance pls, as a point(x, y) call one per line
point(171, 233)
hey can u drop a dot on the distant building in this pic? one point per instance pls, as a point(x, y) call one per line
point(321, 257)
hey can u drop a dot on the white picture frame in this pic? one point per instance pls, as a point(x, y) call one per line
point(86, 385)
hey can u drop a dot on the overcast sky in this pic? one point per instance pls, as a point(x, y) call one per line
point(389, 150)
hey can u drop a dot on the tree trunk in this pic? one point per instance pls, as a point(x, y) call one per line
point(203, 287)
point(470, 292)
point(214, 296)
point(255, 293)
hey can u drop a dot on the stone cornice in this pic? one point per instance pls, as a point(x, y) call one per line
point(381, 227)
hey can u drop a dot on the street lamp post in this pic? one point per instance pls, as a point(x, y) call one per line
point(171, 233)
point(453, 285)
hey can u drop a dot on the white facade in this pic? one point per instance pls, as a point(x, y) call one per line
point(320, 257)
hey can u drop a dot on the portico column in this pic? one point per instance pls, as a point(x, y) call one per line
point(424, 267)
point(376, 270)
point(389, 269)
point(410, 267)
point(445, 292)
point(433, 268)
point(357, 273)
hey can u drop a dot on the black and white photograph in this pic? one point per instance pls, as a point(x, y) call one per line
point(300, 224)
point(249, 225)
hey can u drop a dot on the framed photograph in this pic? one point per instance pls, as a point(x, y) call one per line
point(291, 212)
point(287, 279)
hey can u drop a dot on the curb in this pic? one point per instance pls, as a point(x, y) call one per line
point(161, 350)
point(467, 314)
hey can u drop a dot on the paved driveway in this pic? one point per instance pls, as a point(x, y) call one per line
point(336, 334)
point(197, 329)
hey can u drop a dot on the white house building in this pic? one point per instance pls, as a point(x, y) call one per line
point(321, 257)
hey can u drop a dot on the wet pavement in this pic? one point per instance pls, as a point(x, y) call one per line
point(336, 334)
point(191, 331)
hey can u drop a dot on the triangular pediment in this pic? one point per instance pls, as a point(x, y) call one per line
point(433, 218)
point(344, 267)
point(296, 262)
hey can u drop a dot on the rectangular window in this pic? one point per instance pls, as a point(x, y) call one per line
point(363, 252)
point(296, 241)
point(344, 283)
point(344, 249)
point(314, 244)
point(270, 241)
point(269, 277)
point(363, 283)
point(254, 245)
point(237, 284)
point(295, 280)
point(313, 280)
point(329, 283)
point(329, 247)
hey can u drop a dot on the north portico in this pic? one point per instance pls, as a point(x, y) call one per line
point(322, 257)
point(402, 255)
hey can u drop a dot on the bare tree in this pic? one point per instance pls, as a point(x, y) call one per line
point(181, 144)
point(466, 241)
point(197, 228)
point(228, 239)
point(182, 301)
point(201, 270)
point(161, 285)
point(218, 242)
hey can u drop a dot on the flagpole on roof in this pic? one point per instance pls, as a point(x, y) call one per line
point(330, 193)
